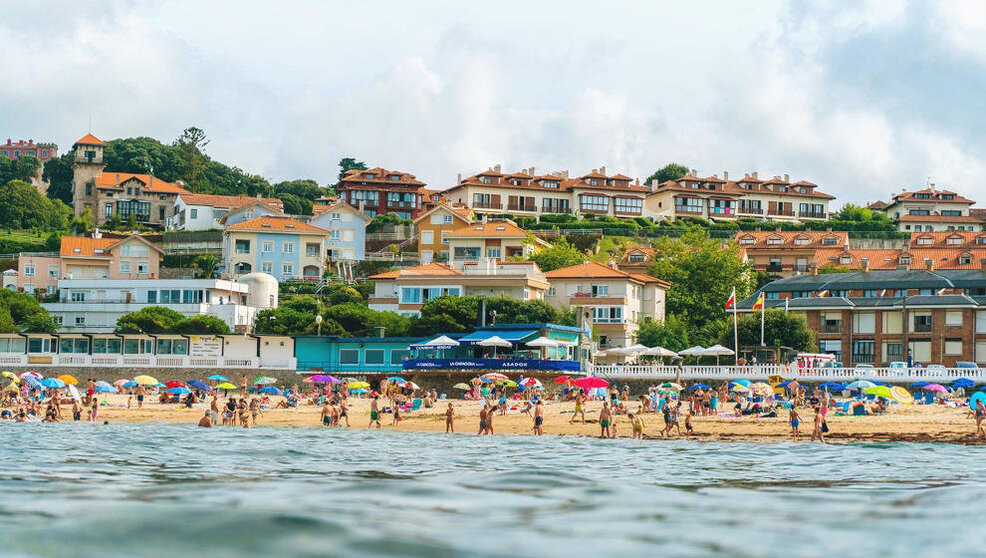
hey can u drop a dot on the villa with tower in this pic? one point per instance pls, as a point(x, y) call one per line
point(149, 200)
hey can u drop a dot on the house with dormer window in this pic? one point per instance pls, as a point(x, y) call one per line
point(930, 210)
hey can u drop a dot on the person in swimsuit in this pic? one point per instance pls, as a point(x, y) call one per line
point(489, 420)
point(76, 410)
point(579, 407)
point(214, 409)
point(206, 421)
point(539, 418)
point(343, 411)
point(817, 432)
point(482, 418)
point(139, 391)
point(94, 410)
point(636, 426)
point(450, 419)
point(605, 416)
point(397, 411)
point(795, 421)
point(980, 415)
point(688, 424)
point(326, 414)
point(228, 419)
point(374, 412)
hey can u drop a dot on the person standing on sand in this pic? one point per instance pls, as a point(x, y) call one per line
point(344, 410)
point(374, 411)
point(636, 426)
point(140, 392)
point(76, 410)
point(579, 406)
point(605, 416)
point(539, 418)
point(489, 420)
point(688, 424)
point(214, 408)
point(819, 422)
point(206, 421)
point(795, 422)
point(326, 414)
point(450, 419)
point(980, 415)
point(243, 387)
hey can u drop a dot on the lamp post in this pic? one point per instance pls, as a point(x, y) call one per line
point(318, 320)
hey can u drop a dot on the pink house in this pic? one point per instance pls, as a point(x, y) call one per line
point(132, 257)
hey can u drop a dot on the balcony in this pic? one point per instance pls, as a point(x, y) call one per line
point(487, 205)
point(758, 211)
point(921, 328)
point(832, 327)
point(775, 268)
point(688, 210)
point(813, 215)
point(587, 299)
point(518, 207)
point(557, 210)
point(780, 212)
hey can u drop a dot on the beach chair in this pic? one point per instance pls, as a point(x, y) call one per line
point(859, 411)
point(441, 397)
point(416, 404)
point(929, 398)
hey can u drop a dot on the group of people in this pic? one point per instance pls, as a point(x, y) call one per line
point(243, 412)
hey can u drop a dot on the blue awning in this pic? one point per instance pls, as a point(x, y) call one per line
point(512, 335)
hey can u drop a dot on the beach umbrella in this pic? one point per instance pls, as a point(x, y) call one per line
point(37, 375)
point(936, 388)
point(218, 378)
point(919, 384)
point(507, 383)
point(53, 383)
point(494, 376)
point(700, 386)
point(591, 382)
point(495, 341)
point(102, 383)
point(542, 342)
point(741, 381)
point(659, 352)
point(225, 385)
point(561, 379)
point(270, 390)
point(130, 384)
point(785, 383)
point(74, 393)
point(672, 385)
point(834, 386)
point(121, 382)
point(11, 375)
point(159, 385)
point(440, 341)
point(963, 383)
point(762, 389)
point(901, 395)
point(323, 379)
point(412, 385)
point(180, 390)
point(978, 396)
point(462, 386)
point(717, 351)
point(106, 389)
point(879, 391)
point(199, 384)
point(740, 388)
point(397, 380)
point(358, 385)
point(146, 380)
point(695, 351)
point(360, 390)
point(173, 384)
point(267, 380)
point(860, 384)
point(532, 382)
point(33, 382)
point(598, 354)
point(68, 379)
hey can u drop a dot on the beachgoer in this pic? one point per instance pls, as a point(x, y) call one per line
point(980, 415)
point(795, 422)
point(326, 414)
point(374, 411)
point(539, 418)
point(818, 431)
point(243, 387)
point(482, 418)
point(94, 410)
point(489, 421)
point(76, 410)
point(140, 392)
point(605, 416)
point(450, 419)
point(636, 426)
point(580, 400)
point(688, 424)
point(214, 408)
point(206, 421)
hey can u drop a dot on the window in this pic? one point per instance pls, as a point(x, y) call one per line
point(334, 235)
point(427, 237)
point(600, 290)
point(893, 352)
point(141, 210)
point(39, 345)
point(29, 270)
point(107, 346)
point(953, 318)
point(905, 260)
point(551, 291)
point(193, 213)
point(925, 241)
point(336, 215)
point(397, 356)
point(951, 213)
point(446, 219)
point(921, 323)
point(775, 241)
point(191, 296)
point(802, 241)
point(830, 241)
point(80, 320)
point(864, 322)
point(267, 246)
point(922, 212)
point(172, 346)
point(594, 203)
point(368, 197)
point(608, 315)
point(108, 210)
point(267, 267)
point(965, 259)
point(52, 272)
point(348, 356)
point(493, 253)
point(467, 253)
point(832, 322)
point(287, 269)
point(143, 268)
point(71, 345)
point(124, 267)
point(863, 350)
point(242, 246)
point(628, 205)
point(688, 205)
point(373, 356)
point(287, 248)
point(953, 240)
point(871, 293)
point(953, 347)
point(312, 249)
point(78, 296)
point(747, 240)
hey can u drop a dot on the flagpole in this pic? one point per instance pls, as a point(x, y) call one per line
point(735, 329)
point(763, 311)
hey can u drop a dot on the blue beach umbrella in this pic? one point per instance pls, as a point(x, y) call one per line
point(130, 384)
point(53, 383)
point(179, 391)
point(397, 379)
point(785, 383)
point(218, 377)
point(199, 384)
point(919, 384)
point(106, 389)
point(835, 386)
point(741, 381)
point(700, 386)
point(270, 390)
point(963, 383)
point(978, 396)
point(860, 384)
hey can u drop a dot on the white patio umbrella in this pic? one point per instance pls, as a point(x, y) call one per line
point(659, 352)
point(695, 351)
point(718, 351)
point(619, 351)
point(495, 341)
point(443, 340)
point(543, 342)
point(635, 349)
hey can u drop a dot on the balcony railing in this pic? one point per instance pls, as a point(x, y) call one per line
point(775, 268)
point(813, 215)
point(781, 212)
point(690, 210)
point(832, 328)
point(922, 328)
point(518, 207)
point(560, 210)
point(750, 211)
point(487, 205)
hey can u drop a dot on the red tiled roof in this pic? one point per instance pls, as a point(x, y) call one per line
point(114, 181)
point(228, 202)
point(85, 246)
point(380, 176)
point(889, 259)
point(490, 229)
point(939, 219)
point(271, 223)
point(788, 239)
point(596, 270)
point(90, 139)
point(936, 195)
point(432, 269)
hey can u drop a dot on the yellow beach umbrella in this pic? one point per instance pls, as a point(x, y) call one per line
point(13, 377)
point(225, 385)
point(146, 380)
point(68, 379)
point(358, 385)
point(901, 395)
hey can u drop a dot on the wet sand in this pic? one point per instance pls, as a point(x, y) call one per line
point(901, 423)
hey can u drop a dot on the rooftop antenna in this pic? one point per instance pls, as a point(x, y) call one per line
point(90, 122)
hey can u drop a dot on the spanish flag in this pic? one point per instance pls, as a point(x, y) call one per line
point(759, 302)
point(732, 300)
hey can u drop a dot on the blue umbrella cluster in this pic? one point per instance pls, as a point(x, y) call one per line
point(834, 386)
point(199, 384)
point(963, 383)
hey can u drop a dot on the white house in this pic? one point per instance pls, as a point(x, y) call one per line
point(347, 231)
point(200, 212)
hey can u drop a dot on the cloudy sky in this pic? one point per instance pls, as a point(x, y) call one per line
point(862, 98)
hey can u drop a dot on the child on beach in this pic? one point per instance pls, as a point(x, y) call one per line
point(795, 421)
point(374, 411)
point(579, 407)
point(688, 424)
point(94, 410)
point(450, 419)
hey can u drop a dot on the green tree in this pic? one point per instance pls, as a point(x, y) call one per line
point(58, 174)
point(702, 273)
point(190, 146)
point(853, 212)
point(83, 223)
point(22, 207)
point(780, 329)
point(347, 164)
point(150, 319)
point(344, 295)
point(671, 334)
point(561, 254)
point(385, 220)
point(293, 205)
point(834, 268)
point(306, 189)
point(23, 168)
point(201, 325)
point(7, 324)
point(670, 171)
point(42, 322)
point(207, 263)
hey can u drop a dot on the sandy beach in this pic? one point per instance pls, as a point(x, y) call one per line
point(911, 423)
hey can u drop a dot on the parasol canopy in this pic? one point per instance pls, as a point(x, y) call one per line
point(68, 379)
point(659, 352)
point(225, 385)
point(495, 341)
point(543, 342)
point(695, 351)
point(146, 380)
point(591, 382)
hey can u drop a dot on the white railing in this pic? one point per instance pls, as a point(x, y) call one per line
point(140, 361)
point(893, 375)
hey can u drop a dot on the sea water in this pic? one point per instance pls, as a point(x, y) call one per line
point(177, 490)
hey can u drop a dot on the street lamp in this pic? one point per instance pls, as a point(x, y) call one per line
point(318, 320)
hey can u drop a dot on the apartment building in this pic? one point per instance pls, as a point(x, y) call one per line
point(927, 250)
point(95, 305)
point(200, 212)
point(498, 239)
point(929, 210)
point(347, 231)
point(526, 193)
point(433, 226)
point(785, 253)
point(148, 200)
point(405, 291)
point(132, 257)
point(711, 197)
point(14, 149)
point(277, 245)
point(879, 317)
point(613, 300)
point(377, 191)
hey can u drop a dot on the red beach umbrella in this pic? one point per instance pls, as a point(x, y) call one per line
point(591, 382)
point(174, 384)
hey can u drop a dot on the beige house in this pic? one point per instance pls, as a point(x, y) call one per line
point(433, 227)
point(490, 239)
point(405, 291)
point(930, 210)
point(614, 301)
point(132, 257)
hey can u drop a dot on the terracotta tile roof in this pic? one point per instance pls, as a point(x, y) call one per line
point(788, 239)
point(646, 251)
point(381, 176)
point(228, 202)
point(935, 195)
point(750, 179)
point(942, 239)
point(596, 270)
point(535, 182)
point(463, 213)
point(804, 183)
point(939, 219)
point(115, 180)
point(90, 139)
point(85, 246)
point(733, 188)
point(879, 259)
point(878, 205)
point(890, 259)
point(271, 223)
point(490, 229)
point(433, 269)
point(650, 279)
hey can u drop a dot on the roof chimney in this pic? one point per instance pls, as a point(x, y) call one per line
point(496, 167)
point(778, 229)
point(725, 175)
point(864, 264)
point(693, 172)
point(118, 179)
point(602, 170)
point(787, 178)
point(929, 264)
point(258, 196)
point(754, 174)
point(458, 178)
point(813, 268)
point(530, 171)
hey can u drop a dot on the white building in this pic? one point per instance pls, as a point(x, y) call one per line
point(95, 305)
point(347, 231)
point(201, 212)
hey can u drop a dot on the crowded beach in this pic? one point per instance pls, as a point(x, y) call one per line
point(494, 403)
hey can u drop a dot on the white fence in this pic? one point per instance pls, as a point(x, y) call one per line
point(142, 361)
point(892, 375)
